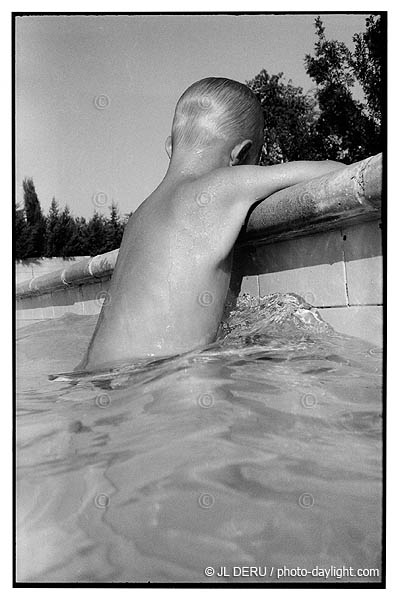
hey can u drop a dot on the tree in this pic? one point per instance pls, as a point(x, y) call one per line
point(289, 116)
point(36, 223)
point(33, 210)
point(68, 234)
point(367, 63)
point(114, 229)
point(345, 130)
point(96, 234)
point(21, 234)
point(60, 233)
point(81, 236)
point(52, 230)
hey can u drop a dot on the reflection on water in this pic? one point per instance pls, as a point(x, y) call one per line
point(263, 449)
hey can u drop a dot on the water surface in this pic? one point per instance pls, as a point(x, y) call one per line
point(263, 450)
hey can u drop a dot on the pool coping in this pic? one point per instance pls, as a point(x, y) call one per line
point(347, 196)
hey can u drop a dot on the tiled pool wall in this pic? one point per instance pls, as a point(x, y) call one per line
point(339, 272)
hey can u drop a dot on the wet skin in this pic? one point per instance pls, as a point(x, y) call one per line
point(172, 275)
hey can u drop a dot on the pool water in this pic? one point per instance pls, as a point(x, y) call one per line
point(262, 450)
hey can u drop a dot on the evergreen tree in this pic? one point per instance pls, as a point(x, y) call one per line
point(52, 230)
point(21, 234)
point(96, 234)
point(61, 234)
point(81, 236)
point(36, 223)
point(114, 229)
point(32, 207)
point(67, 234)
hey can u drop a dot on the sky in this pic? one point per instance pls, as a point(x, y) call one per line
point(95, 95)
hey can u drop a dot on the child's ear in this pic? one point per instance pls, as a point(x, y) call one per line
point(240, 152)
point(168, 146)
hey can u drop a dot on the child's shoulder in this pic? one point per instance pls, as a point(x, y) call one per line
point(212, 189)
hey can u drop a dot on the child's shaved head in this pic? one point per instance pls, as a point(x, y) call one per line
point(217, 109)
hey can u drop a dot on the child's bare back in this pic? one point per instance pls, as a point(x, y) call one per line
point(169, 286)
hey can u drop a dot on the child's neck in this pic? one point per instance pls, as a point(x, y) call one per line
point(197, 163)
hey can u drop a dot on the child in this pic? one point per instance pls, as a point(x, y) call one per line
point(172, 275)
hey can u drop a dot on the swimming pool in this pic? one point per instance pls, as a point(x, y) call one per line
point(262, 450)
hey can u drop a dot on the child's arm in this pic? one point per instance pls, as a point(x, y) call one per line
point(257, 183)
